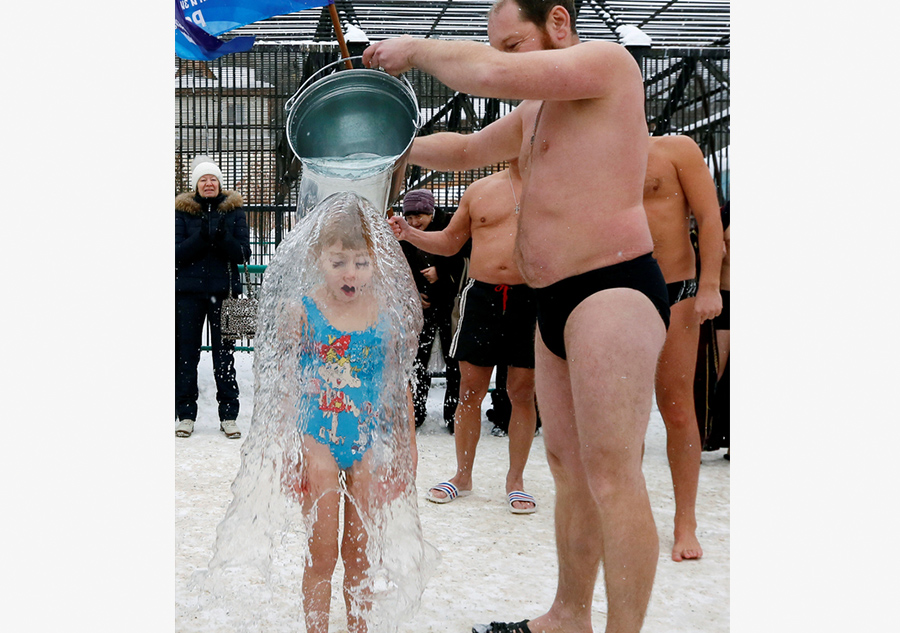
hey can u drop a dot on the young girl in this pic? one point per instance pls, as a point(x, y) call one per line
point(332, 420)
point(345, 412)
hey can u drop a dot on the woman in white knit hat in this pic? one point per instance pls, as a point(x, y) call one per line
point(211, 239)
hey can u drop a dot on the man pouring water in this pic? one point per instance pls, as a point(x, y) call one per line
point(583, 243)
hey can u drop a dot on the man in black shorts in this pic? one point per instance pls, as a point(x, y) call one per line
point(496, 327)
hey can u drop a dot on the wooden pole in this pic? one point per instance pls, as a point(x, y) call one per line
point(336, 21)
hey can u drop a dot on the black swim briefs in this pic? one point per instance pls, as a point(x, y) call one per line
point(556, 301)
point(681, 290)
point(496, 325)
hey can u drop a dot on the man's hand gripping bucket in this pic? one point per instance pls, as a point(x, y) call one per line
point(352, 131)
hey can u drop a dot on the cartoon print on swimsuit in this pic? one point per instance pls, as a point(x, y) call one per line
point(337, 370)
point(340, 369)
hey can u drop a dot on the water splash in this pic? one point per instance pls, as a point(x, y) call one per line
point(367, 174)
point(328, 452)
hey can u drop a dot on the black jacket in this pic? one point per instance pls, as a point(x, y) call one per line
point(211, 236)
point(449, 269)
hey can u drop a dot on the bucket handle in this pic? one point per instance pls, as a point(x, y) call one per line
point(289, 104)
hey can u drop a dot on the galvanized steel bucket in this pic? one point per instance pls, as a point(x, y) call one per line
point(360, 113)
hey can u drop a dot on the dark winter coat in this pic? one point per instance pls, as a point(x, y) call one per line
point(211, 236)
point(449, 269)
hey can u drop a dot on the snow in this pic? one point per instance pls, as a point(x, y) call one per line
point(494, 565)
point(353, 33)
point(242, 78)
point(631, 35)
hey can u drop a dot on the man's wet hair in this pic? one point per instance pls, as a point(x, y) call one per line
point(536, 11)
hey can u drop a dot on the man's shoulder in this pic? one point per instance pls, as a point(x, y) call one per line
point(675, 144)
point(601, 61)
point(598, 47)
point(487, 182)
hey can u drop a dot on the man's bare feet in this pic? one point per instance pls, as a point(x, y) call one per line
point(547, 623)
point(687, 547)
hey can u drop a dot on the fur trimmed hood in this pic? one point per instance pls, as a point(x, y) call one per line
point(186, 202)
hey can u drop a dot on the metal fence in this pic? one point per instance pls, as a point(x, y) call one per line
point(232, 109)
point(688, 92)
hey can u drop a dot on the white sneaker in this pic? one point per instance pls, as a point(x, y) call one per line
point(184, 428)
point(230, 429)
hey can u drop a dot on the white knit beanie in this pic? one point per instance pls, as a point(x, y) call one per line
point(204, 166)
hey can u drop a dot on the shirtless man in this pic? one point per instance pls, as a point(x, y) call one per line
point(496, 327)
point(583, 242)
point(678, 184)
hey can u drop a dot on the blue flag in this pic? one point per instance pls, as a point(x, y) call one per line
point(198, 21)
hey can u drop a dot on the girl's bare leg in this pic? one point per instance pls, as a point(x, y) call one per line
point(357, 506)
point(321, 497)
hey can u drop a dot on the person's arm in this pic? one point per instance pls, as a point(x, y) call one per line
point(700, 193)
point(234, 245)
point(446, 242)
point(190, 247)
point(450, 151)
point(581, 71)
point(584, 71)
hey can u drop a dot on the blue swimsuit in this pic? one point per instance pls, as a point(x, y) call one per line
point(341, 410)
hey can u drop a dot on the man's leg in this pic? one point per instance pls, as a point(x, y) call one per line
point(675, 399)
point(579, 546)
point(474, 383)
point(723, 345)
point(613, 339)
point(522, 423)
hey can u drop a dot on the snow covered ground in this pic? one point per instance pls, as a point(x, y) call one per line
point(495, 566)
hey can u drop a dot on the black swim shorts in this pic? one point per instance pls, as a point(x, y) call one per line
point(681, 290)
point(556, 301)
point(496, 325)
point(723, 320)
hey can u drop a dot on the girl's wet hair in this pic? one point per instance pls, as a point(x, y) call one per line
point(345, 222)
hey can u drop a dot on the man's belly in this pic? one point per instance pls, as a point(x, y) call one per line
point(492, 260)
point(676, 260)
point(547, 252)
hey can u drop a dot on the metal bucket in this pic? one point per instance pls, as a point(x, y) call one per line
point(356, 113)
